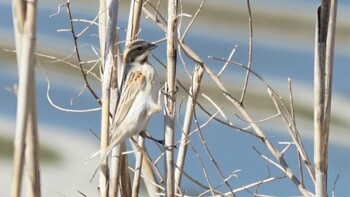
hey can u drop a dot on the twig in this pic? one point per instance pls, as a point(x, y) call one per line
point(55, 59)
point(249, 53)
point(233, 174)
point(76, 49)
point(93, 22)
point(203, 168)
point(197, 182)
point(269, 160)
point(293, 133)
point(335, 184)
point(226, 63)
point(145, 155)
point(193, 18)
point(58, 107)
point(209, 153)
point(145, 178)
point(246, 115)
point(267, 180)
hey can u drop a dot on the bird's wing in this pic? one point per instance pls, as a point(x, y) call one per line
point(135, 83)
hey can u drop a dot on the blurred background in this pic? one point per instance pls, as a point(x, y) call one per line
point(283, 45)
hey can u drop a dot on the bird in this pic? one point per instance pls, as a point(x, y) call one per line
point(139, 96)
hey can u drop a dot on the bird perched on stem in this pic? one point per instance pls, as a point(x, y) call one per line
point(139, 95)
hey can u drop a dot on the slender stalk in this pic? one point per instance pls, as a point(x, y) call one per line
point(32, 146)
point(191, 101)
point(170, 97)
point(102, 19)
point(112, 11)
point(115, 171)
point(124, 178)
point(196, 81)
point(329, 68)
point(324, 50)
point(318, 115)
point(134, 20)
point(138, 167)
point(25, 31)
point(18, 8)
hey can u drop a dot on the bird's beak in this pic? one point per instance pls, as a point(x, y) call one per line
point(151, 46)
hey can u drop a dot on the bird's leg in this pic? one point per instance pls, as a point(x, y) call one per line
point(145, 134)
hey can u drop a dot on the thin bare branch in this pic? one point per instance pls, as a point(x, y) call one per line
point(229, 59)
point(267, 180)
point(204, 169)
point(193, 19)
point(76, 49)
point(269, 160)
point(211, 155)
point(93, 22)
point(58, 107)
point(249, 52)
point(334, 185)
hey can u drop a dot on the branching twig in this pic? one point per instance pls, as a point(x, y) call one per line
point(58, 107)
point(210, 155)
point(76, 49)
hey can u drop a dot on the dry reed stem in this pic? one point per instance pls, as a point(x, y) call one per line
point(124, 177)
point(324, 50)
point(191, 100)
point(138, 167)
point(170, 97)
point(24, 18)
point(112, 10)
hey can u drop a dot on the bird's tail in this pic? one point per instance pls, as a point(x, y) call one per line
point(114, 142)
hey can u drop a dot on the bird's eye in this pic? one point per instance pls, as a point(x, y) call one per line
point(139, 48)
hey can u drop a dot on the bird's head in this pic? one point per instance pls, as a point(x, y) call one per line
point(137, 51)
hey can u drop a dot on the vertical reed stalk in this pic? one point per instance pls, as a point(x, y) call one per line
point(32, 146)
point(170, 97)
point(196, 81)
point(24, 18)
point(138, 167)
point(102, 21)
point(324, 50)
point(112, 10)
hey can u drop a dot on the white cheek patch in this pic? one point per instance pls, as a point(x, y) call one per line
point(142, 57)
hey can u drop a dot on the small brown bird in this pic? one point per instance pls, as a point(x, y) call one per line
point(139, 97)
